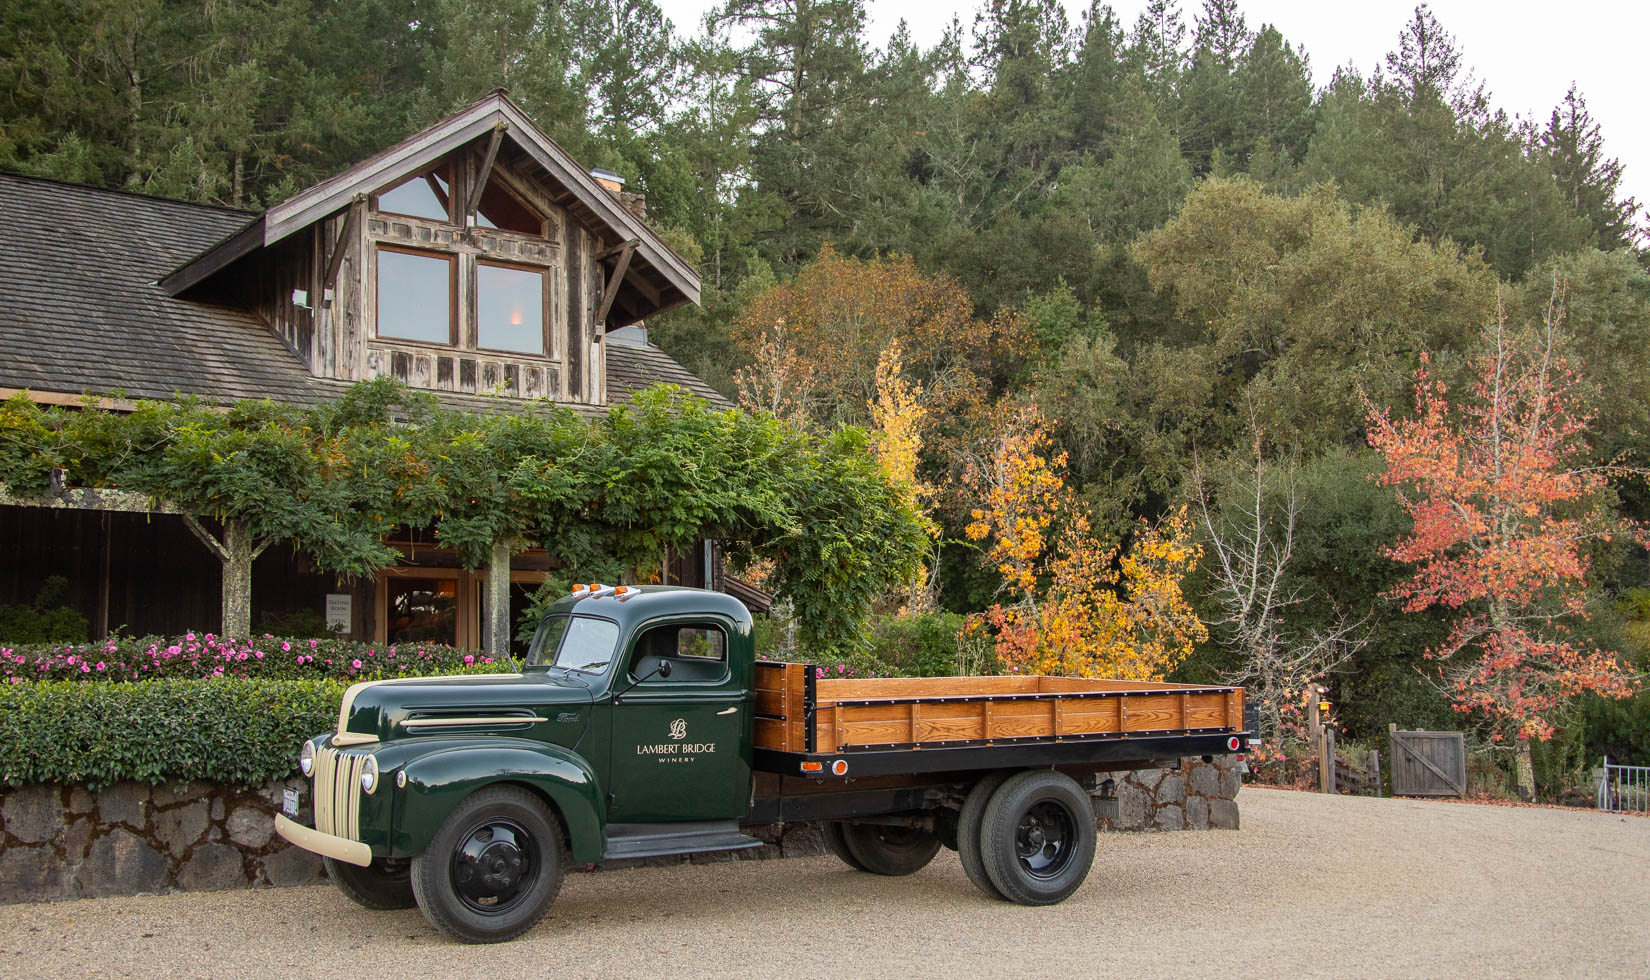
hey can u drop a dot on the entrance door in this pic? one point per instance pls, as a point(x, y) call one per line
point(679, 751)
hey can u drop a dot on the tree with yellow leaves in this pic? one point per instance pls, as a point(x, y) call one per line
point(897, 415)
point(1080, 608)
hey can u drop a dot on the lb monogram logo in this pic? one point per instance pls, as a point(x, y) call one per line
point(678, 728)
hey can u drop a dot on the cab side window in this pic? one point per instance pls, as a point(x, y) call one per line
point(695, 653)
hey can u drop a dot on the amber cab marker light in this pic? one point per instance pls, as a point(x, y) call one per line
point(813, 767)
point(620, 589)
point(578, 588)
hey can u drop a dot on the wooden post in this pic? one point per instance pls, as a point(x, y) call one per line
point(1375, 764)
point(495, 632)
point(1326, 762)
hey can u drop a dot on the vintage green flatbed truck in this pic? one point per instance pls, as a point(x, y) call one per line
point(641, 724)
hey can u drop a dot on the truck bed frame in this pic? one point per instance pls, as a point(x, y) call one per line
point(844, 728)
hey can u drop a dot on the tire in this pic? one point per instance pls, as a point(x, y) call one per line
point(380, 886)
point(968, 832)
point(892, 851)
point(837, 843)
point(492, 870)
point(1037, 837)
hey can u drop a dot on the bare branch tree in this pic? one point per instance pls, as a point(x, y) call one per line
point(1252, 549)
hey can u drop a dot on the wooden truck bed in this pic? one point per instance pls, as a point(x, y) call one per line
point(932, 724)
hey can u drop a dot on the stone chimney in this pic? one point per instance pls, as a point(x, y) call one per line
point(611, 182)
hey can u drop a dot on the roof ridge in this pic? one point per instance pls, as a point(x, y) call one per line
point(121, 191)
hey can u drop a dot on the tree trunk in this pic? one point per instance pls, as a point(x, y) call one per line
point(237, 551)
point(237, 579)
point(1526, 772)
point(495, 637)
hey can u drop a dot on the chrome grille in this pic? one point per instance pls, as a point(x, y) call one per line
point(337, 792)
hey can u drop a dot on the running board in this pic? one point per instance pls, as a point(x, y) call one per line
point(639, 840)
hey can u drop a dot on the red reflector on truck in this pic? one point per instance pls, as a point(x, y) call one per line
point(1233, 744)
point(813, 767)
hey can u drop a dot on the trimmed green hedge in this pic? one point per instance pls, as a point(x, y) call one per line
point(234, 730)
point(224, 730)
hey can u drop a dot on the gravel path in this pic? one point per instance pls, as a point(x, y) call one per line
point(1312, 886)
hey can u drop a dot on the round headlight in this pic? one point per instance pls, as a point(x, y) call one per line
point(369, 775)
point(306, 759)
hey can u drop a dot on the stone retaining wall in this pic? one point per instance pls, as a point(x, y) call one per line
point(64, 842)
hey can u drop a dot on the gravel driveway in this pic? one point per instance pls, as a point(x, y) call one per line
point(1311, 886)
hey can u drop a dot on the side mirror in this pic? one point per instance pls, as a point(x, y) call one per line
point(664, 668)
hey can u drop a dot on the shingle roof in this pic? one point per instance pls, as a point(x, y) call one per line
point(80, 310)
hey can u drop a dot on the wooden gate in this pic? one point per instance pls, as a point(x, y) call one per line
point(1428, 763)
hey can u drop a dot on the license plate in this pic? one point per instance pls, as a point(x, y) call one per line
point(289, 802)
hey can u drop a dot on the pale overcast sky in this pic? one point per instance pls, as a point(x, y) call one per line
point(1527, 53)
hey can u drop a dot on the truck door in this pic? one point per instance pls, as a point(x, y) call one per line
point(679, 745)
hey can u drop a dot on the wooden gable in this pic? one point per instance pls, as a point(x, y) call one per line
point(397, 265)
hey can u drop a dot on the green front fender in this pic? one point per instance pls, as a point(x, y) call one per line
point(438, 780)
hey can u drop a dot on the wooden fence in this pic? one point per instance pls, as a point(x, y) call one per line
point(1428, 763)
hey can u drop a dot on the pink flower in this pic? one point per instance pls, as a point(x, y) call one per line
point(469, 659)
point(259, 654)
point(353, 663)
point(85, 669)
point(190, 637)
point(286, 646)
point(312, 644)
point(100, 665)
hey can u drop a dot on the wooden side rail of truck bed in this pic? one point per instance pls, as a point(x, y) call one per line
point(799, 714)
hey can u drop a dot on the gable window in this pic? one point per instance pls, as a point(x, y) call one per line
point(415, 295)
point(510, 307)
point(424, 195)
point(500, 208)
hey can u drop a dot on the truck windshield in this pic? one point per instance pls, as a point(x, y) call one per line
point(577, 642)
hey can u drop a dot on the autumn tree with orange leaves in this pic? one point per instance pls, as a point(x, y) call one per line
point(816, 340)
point(1505, 501)
point(1075, 607)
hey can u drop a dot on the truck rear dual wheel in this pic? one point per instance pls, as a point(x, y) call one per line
point(492, 870)
point(1037, 837)
point(380, 886)
point(968, 832)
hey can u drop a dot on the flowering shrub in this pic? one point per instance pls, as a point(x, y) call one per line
point(201, 655)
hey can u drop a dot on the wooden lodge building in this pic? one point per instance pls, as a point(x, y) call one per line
point(475, 260)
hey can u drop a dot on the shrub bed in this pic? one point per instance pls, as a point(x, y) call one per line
point(198, 655)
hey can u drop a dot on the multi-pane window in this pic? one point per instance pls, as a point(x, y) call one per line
point(418, 288)
point(415, 295)
point(510, 308)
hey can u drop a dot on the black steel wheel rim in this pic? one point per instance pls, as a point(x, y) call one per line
point(495, 866)
point(1045, 839)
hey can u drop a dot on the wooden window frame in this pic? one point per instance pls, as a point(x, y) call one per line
point(442, 169)
point(546, 338)
point(451, 258)
point(544, 220)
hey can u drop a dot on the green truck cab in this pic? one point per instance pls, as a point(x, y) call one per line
point(641, 724)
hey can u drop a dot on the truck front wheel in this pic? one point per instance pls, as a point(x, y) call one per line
point(379, 886)
point(492, 870)
point(890, 850)
point(1037, 837)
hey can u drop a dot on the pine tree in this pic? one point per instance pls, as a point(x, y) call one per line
point(1573, 148)
point(1096, 75)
